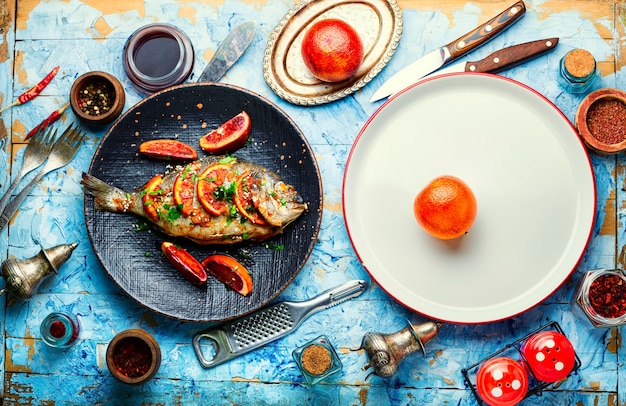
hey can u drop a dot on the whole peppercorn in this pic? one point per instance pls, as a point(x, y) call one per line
point(96, 98)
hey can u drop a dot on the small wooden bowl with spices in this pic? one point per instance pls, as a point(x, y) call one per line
point(97, 98)
point(601, 121)
point(133, 356)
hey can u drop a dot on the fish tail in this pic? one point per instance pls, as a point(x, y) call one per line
point(106, 197)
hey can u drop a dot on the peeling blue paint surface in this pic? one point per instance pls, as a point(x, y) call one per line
point(80, 37)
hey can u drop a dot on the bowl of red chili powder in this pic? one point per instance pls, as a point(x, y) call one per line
point(133, 356)
point(601, 121)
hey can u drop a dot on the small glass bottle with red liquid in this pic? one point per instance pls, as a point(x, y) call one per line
point(60, 329)
point(601, 297)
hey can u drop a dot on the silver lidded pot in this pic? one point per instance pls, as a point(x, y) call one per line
point(23, 276)
point(386, 351)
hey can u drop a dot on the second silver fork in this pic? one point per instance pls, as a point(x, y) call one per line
point(61, 154)
point(36, 153)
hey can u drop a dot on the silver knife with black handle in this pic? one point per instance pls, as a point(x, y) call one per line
point(450, 52)
point(229, 52)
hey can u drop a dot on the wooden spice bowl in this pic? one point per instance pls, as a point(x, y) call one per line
point(601, 121)
point(133, 356)
point(97, 98)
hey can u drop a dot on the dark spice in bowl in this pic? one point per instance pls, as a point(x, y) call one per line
point(133, 356)
point(96, 98)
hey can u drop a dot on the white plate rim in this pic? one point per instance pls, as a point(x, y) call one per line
point(481, 315)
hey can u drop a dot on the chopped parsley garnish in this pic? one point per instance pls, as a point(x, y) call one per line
point(186, 171)
point(277, 247)
point(227, 159)
point(141, 225)
point(172, 212)
point(225, 193)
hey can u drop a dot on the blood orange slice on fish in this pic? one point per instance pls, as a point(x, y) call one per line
point(213, 189)
point(152, 196)
point(185, 188)
point(244, 199)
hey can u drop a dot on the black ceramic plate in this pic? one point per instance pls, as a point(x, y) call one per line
point(132, 257)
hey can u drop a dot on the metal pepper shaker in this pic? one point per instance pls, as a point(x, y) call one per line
point(23, 276)
point(386, 351)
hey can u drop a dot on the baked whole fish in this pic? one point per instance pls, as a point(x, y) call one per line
point(214, 200)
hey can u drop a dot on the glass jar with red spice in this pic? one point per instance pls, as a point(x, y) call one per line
point(60, 329)
point(601, 296)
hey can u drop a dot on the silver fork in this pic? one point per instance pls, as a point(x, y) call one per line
point(36, 153)
point(61, 154)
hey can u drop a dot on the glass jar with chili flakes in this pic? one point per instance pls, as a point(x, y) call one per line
point(601, 296)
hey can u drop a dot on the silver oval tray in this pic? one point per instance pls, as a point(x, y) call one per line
point(379, 24)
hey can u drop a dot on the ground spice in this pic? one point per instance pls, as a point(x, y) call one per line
point(132, 357)
point(316, 359)
point(96, 98)
point(607, 295)
point(579, 63)
point(606, 120)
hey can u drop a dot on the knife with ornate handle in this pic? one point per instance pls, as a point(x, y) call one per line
point(502, 59)
point(450, 52)
point(229, 51)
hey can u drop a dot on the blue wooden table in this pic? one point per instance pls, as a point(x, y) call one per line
point(86, 35)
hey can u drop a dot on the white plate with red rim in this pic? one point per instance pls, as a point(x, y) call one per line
point(533, 182)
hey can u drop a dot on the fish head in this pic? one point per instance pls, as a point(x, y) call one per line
point(279, 203)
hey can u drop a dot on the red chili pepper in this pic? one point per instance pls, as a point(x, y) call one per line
point(54, 116)
point(185, 263)
point(34, 91)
